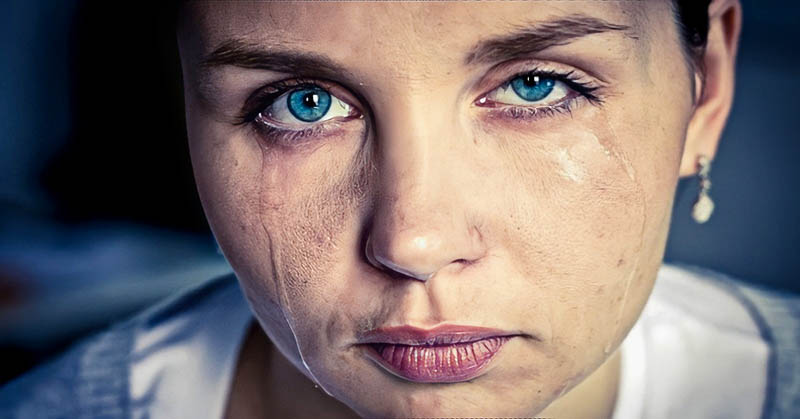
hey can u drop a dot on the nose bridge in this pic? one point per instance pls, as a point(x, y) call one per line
point(417, 143)
point(414, 173)
point(420, 221)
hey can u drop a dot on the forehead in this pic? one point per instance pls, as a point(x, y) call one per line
point(391, 31)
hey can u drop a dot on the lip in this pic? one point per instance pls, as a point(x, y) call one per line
point(445, 354)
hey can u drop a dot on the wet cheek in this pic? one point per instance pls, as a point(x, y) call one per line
point(308, 207)
point(575, 196)
point(279, 217)
point(573, 229)
point(227, 172)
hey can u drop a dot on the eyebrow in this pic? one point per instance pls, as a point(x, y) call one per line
point(248, 54)
point(528, 40)
point(540, 36)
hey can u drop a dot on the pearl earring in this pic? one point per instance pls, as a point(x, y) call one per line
point(703, 206)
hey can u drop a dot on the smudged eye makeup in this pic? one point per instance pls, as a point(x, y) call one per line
point(288, 111)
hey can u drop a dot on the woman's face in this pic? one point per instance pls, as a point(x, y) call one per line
point(510, 166)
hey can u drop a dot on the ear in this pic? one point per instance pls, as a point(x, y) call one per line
point(714, 88)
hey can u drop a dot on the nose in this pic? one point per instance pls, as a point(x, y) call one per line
point(380, 260)
point(421, 217)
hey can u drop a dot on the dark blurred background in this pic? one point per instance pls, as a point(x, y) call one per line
point(99, 216)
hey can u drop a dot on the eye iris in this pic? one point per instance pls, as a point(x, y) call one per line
point(532, 87)
point(309, 104)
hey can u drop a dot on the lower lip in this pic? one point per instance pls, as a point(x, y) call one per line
point(437, 363)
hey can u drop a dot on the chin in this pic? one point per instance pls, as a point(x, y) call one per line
point(463, 402)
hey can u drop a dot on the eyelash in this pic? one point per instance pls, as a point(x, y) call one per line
point(583, 90)
point(263, 98)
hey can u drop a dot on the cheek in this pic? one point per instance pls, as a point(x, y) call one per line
point(580, 236)
point(307, 212)
point(311, 212)
point(279, 215)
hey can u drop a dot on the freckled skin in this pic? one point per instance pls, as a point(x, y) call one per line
point(569, 263)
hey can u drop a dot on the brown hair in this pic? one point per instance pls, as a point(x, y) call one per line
point(691, 16)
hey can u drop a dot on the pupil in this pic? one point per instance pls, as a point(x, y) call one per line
point(311, 100)
point(531, 81)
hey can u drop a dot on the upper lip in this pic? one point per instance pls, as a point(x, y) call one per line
point(439, 335)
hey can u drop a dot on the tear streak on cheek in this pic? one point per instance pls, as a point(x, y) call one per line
point(592, 157)
point(302, 219)
point(570, 169)
point(303, 214)
point(575, 160)
point(612, 143)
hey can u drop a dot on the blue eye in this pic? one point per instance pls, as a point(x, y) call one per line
point(302, 106)
point(532, 88)
point(308, 104)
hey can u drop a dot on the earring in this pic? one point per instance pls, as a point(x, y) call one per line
point(703, 206)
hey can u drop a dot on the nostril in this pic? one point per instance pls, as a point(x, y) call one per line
point(370, 254)
point(388, 264)
point(384, 264)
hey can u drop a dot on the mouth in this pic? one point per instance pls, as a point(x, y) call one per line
point(446, 354)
